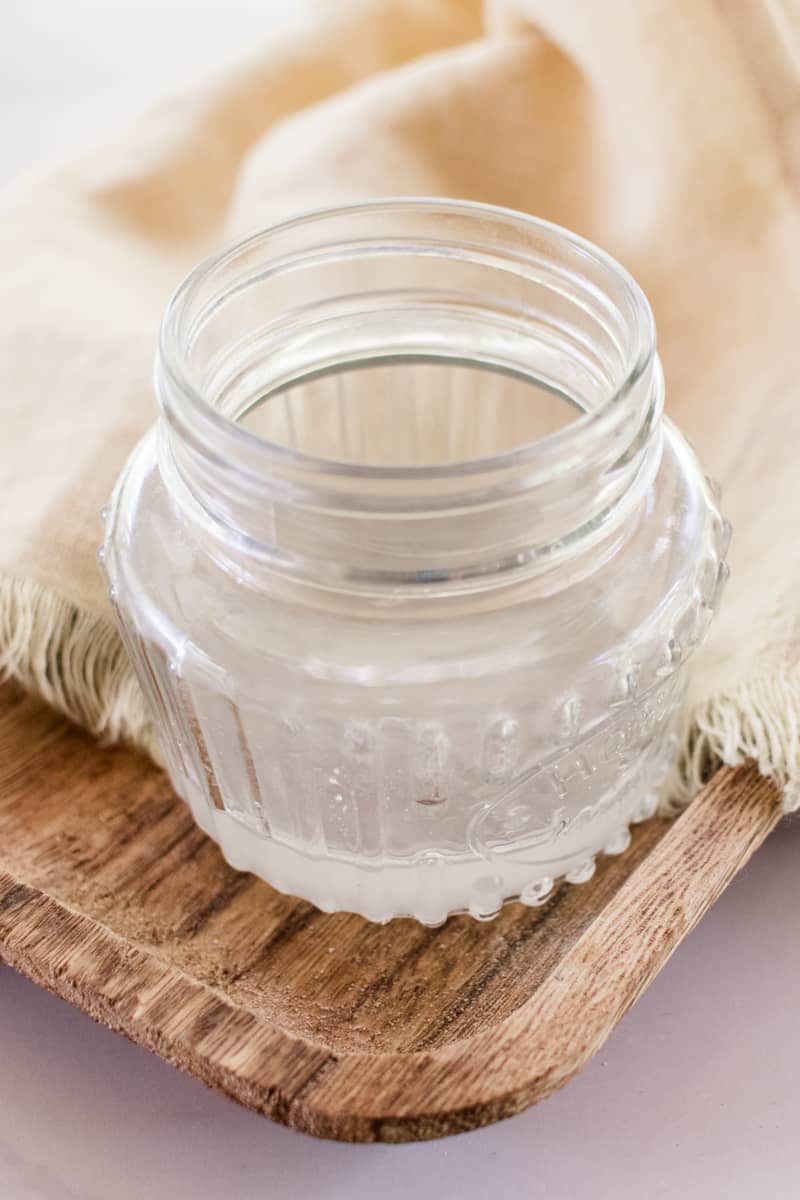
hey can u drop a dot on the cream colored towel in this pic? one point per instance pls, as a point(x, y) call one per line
point(665, 130)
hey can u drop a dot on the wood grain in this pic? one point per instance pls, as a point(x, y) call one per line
point(113, 899)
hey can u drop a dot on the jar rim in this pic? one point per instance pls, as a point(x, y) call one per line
point(196, 409)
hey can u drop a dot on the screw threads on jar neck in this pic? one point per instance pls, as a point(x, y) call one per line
point(393, 288)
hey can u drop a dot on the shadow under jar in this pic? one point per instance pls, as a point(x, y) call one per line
point(412, 564)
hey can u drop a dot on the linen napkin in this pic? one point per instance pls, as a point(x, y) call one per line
point(665, 130)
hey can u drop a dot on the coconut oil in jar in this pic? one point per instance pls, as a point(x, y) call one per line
point(412, 565)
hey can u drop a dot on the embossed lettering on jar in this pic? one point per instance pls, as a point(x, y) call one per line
point(412, 565)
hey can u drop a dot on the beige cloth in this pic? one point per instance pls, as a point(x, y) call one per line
point(664, 130)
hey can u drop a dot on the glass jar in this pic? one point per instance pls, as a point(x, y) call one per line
point(412, 564)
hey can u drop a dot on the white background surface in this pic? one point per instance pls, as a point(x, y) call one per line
point(697, 1094)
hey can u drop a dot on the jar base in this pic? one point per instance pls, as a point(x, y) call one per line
point(429, 890)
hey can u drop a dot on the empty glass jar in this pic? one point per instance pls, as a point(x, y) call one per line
point(412, 565)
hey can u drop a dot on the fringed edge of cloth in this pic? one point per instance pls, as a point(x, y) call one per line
point(757, 720)
point(75, 661)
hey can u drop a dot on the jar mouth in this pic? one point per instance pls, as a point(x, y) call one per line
point(185, 396)
point(411, 279)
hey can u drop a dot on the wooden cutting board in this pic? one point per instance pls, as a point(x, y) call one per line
point(113, 899)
